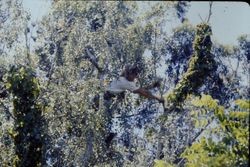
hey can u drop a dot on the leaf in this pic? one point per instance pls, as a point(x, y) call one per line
point(203, 123)
point(205, 101)
point(243, 104)
point(193, 113)
point(197, 123)
point(8, 85)
point(161, 163)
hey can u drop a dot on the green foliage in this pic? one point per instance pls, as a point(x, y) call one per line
point(200, 65)
point(13, 19)
point(161, 163)
point(205, 101)
point(243, 104)
point(21, 82)
point(69, 79)
point(231, 146)
point(74, 83)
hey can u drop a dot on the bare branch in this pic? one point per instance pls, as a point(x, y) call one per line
point(27, 43)
point(210, 10)
point(89, 148)
point(201, 18)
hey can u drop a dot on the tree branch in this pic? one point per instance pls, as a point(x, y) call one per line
point(201, 18)
point(194, 139)
point(27, 44)
point(210, 10)
point(88, 149)
point(92, 60)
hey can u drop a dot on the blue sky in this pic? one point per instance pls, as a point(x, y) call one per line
point(37, 8)
point(228, 20)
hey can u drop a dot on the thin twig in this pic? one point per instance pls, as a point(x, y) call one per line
point(154, 56)
point(201, 18)
point(27, 43)
point(210, 11)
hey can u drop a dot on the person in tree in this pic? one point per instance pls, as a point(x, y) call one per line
point(118, 87)
point(126, 81)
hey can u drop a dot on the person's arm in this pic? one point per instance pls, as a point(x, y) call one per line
point(126, 85)
point(148, 94)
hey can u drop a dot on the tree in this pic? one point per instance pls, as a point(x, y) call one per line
point(226, 143)
point(178, 50)
point(12, 26)
point(28, 122)
point(13, 20)
point(81, 46)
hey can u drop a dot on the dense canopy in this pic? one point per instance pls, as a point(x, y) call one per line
point(54, 71)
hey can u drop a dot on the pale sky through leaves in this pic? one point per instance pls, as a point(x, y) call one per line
point(228, 20)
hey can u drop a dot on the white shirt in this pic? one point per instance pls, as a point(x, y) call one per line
point(120, 85)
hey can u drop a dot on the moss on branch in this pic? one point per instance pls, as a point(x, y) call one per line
point(200, 66)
